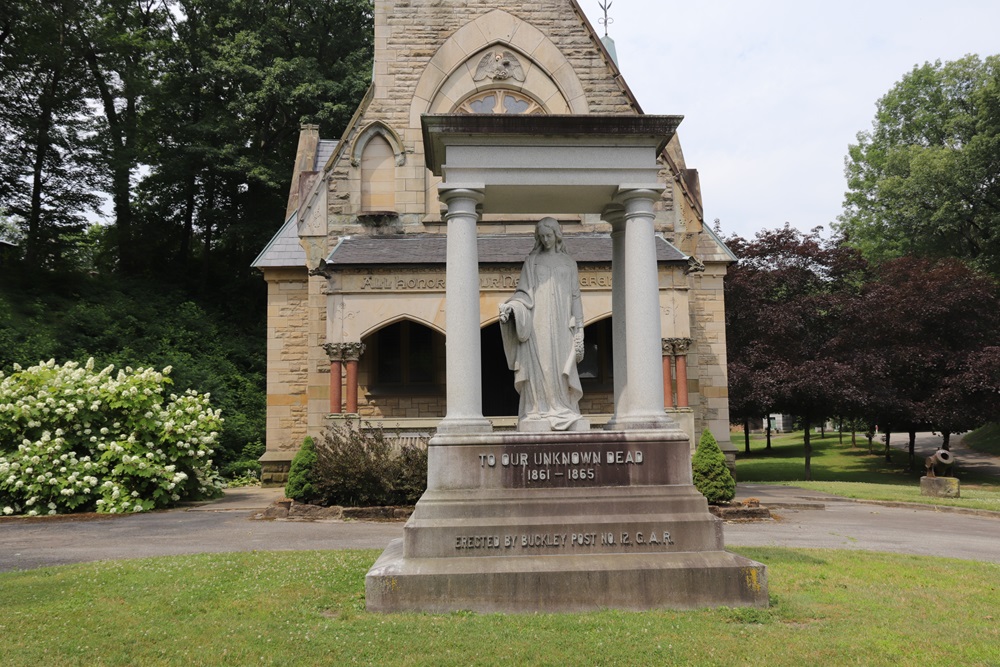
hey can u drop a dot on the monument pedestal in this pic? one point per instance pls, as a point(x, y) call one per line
point(940, 487)
point(562, 522)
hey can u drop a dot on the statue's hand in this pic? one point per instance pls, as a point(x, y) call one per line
point(578, 345)
point(505, 311)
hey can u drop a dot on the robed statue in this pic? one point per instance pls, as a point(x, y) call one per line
point(542, 328)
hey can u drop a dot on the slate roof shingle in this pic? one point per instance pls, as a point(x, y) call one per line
point(284, 249)
point(507, 249)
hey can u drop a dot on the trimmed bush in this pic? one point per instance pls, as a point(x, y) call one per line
point(711, 475)
point(299, 486)
point(363, 467)
point(80, 440)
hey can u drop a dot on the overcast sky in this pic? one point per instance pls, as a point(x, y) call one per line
point(773, 91)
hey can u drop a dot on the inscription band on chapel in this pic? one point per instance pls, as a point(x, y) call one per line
point(435, 281)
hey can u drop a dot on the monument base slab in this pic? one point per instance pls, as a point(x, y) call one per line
point(551, 522)
point(687, 580)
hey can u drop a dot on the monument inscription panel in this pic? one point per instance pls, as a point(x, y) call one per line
point(561, 465)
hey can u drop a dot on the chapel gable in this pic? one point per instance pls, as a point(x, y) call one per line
point(476, 57)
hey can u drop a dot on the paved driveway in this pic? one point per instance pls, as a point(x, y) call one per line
point(806, 519)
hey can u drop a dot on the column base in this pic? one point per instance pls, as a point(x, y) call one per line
point(659, 421)
point(462, 426)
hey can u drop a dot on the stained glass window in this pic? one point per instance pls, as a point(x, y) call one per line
point(500, 101)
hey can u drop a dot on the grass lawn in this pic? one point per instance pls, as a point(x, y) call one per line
point(985, 439)
point(844, 470)
point(307, 608)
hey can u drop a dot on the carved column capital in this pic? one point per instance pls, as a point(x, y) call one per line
point(681, 346)
point(352, 351)
point(675, 346)
point(344, 351)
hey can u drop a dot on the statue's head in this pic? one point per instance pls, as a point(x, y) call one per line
point(552, 225)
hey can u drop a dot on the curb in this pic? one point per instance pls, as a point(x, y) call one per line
point(947, 509)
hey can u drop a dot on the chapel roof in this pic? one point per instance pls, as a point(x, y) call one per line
point(284, 249)
point(493, 249)
point(324, 150)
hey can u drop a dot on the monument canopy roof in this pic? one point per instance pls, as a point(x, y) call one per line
point(547, 164)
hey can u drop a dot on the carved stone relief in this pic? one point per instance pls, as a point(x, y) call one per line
point(499, 66)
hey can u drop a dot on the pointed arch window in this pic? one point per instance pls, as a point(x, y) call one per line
point(378, 176)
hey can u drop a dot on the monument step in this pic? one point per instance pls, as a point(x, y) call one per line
point(563, 583)
point(636, 500)
point(662, 533)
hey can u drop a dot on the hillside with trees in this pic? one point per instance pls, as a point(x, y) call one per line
point(147, 158)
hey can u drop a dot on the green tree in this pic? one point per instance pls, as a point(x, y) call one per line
point(47, 182)
point(711, 475)
point(925, 180)
point(300, 486)
point(785, 302)
point(119, 42)
point(239, 78)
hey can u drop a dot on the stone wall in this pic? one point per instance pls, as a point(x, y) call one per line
point(287, 366)
point(708, 382)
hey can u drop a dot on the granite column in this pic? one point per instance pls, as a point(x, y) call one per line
point(463, 363)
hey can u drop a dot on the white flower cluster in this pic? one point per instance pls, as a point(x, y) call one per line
point(99, 440)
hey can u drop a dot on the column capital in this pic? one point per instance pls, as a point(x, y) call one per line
point(678, 346)
point(344, 351)
point(474, 191)
point(628, 192)
point(352, 351)
point(614, 214)
point(667, 346)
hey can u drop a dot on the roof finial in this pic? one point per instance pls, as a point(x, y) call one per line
point(605, 5)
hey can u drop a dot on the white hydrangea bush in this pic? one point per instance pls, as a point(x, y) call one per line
point(73, 439)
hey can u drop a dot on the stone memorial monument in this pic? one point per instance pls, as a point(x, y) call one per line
point(555, 516)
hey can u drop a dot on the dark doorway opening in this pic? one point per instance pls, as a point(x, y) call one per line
point(500, 399)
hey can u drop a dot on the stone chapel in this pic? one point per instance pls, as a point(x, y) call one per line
point(356, 274)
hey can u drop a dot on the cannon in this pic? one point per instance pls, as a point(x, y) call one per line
point(942, 458)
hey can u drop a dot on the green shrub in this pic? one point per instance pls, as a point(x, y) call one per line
point(247, 465)
point(82, 440)
point(138, 323)
point(300, 473)
point(359, 467)
point(411, 478)
point(711, 475)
